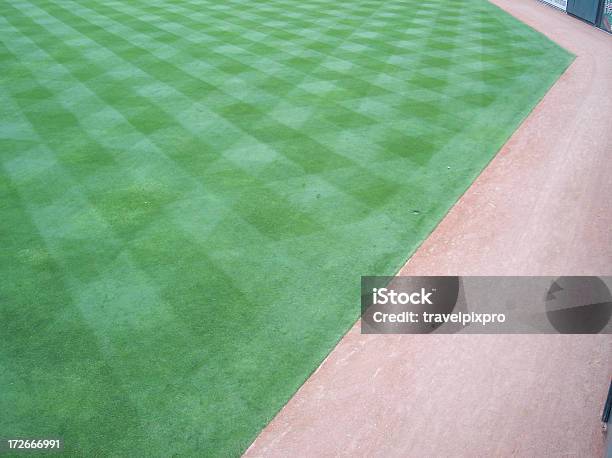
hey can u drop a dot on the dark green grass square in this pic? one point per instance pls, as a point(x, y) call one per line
point(35, 94)
point(418, 149)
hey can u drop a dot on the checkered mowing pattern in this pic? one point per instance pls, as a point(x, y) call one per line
point(190, 190)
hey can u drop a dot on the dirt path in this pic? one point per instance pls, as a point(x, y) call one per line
point(543, 206)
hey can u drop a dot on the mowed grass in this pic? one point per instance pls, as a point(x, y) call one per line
point(190, 191)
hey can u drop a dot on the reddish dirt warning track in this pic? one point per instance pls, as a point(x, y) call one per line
point(542, 207)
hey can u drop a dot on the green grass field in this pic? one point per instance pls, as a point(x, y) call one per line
point(190, 191)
